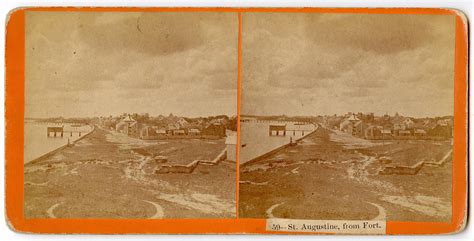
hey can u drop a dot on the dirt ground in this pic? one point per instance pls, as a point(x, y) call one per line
point(107, 175)
point(334, 176)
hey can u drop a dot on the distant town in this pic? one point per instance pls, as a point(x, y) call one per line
point(354, 165)
point(150, 166)
point(146, 127)
point(372, 127)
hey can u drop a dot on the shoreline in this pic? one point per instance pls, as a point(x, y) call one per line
point(279, 148)
point(118, 176)
point(54, 151)
point(307, 174)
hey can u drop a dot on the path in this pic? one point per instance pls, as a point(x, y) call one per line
point(50, 210)
point(159, 210)
point(270, 210)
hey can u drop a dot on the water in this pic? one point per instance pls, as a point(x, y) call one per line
point(38, 144)
point(255, 139)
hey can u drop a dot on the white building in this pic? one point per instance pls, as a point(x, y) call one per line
point(127, 126)
point(231, 147)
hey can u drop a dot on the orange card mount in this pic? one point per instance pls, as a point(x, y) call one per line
point(219, 213)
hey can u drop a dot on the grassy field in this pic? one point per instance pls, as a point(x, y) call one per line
point(330, 175)
point(103, 177)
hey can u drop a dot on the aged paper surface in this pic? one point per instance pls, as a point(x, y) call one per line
point(347, 117)
point(346, 120)
point(130, 115)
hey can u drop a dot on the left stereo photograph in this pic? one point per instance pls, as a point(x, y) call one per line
point(130, 114)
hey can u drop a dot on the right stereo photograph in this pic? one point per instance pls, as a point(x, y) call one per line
point(347, 116)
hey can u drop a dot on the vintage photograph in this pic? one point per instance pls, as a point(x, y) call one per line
point(130, 114)
point(347, 116)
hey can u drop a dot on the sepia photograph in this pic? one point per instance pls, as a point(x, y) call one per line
point(130, 114)
point(347, 116)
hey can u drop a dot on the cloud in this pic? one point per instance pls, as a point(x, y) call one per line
point(143, 33)
point(383, 34)
point(152, 62)
point(300, 63)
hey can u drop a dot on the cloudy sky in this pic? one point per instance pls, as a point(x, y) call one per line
point(92, 64)
point(311, 64)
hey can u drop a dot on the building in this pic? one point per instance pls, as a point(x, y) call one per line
point(404, 133)
point(231, 146)
point(179, 133)
point(147, 132)
point(171, 129)
point(409, 123)
point(277, 130)
point(160, 132)
point(386, 133)
point(152, 132)
point(399, 126)
point(352, 125)
point(377, 132)
point(214, 130)
point(127, 126)
point(299, 129)
point(182, 123)
point(194, 132)
point(419, 132)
